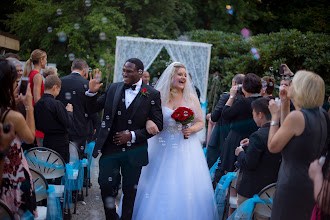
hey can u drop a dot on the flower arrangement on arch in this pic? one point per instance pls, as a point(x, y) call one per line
point(183, 116)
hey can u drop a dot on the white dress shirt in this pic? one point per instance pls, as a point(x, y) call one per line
point(130, 95)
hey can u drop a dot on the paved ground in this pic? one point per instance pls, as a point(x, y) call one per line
point(93, 208)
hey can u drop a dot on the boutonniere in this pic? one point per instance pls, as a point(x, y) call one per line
point(145, 92)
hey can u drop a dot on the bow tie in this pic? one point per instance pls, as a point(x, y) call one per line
point(130, 86)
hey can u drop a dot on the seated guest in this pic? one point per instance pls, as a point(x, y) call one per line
point(258, 167)
point(49, 70)
point(268, 85)
point(53, 119)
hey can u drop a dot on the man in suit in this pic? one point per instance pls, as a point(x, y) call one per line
point(73, 91)
point(221, 128)
point(122, 139)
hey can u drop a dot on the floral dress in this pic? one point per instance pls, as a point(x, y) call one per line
point(17, 189)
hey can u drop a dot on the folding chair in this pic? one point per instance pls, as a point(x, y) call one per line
point(5, 212)
point(231, 197)
point(265, 210)
point(49, 163)
point(41, 187)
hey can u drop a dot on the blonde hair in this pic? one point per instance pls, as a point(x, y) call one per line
point(49, 70)
point(175, 69)
point(309, 89)
point(35, 57)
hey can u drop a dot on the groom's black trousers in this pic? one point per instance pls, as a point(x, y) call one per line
point(111, 166)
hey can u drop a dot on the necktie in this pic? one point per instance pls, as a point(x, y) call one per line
point(130, 86)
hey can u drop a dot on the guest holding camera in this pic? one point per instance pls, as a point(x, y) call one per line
point(17, 189)
point(242, 125)
point(301, 139)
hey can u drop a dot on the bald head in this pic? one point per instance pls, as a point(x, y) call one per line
point(238, 79)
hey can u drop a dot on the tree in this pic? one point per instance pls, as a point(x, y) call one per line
point(68, 28)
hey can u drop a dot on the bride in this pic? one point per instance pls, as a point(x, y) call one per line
point(176, 183)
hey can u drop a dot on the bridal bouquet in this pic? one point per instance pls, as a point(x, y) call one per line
point(183, 116)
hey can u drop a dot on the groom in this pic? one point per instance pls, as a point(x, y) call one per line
point(122, 139)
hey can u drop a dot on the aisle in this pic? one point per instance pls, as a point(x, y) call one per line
point(93, 210)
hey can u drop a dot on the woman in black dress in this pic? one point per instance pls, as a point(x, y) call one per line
point(301, 139)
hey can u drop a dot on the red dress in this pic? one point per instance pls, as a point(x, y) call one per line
point(39, 134)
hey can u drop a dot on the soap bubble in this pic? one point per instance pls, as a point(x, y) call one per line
point(59, 11)
point(231, 12)
point(228, 7)
point(245, 32)
point(102, 36)
point(88, 3)
point(67, 95)
point(256, 56)
point(104, 20)
point(254, 50)
point(107, 117)
point(76, 26)
point(101, 62)
point(50, 29)
point(71, 57)
point(87, 56)
point(62, 36)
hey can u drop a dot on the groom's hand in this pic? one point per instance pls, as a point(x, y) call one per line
point(122, 137)
point(94, 82)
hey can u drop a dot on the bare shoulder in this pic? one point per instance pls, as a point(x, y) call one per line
point(15, 117)
point(194, 98)
point(296, 121)
point(37, 77)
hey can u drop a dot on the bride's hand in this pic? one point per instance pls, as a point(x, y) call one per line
point(152, 127)
point(187, 132)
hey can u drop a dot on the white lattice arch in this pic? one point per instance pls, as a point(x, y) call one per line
point(195, 56)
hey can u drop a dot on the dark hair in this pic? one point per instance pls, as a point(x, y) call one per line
point(270, 84)
point(238, 78)
point(138, 63)
point(11, 55)
point(324, 201)
point(252, 83)
point(79, 64)
point(261, 105)
point(51, 81)
point(8, 76)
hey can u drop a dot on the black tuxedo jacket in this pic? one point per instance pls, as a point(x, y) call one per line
point(73, 91)
point(144, 107)
point(258, 167)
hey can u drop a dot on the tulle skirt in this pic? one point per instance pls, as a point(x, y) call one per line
point(176, 183)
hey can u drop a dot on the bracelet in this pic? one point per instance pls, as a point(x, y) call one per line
point(274, 123)
point(27, 108)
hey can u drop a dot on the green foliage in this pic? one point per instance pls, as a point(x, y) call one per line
point(31, 26)
point(231, 54)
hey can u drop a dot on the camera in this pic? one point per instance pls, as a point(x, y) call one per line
point(6, 128)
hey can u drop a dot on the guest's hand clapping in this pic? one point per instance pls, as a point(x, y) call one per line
point(94, 82)
point(244, 142)
point(238, 150)
point(122, 137)
point(69, 107)
point(152, 127)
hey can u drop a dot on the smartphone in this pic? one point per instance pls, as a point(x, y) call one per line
point(23, 85)
point(281, 71)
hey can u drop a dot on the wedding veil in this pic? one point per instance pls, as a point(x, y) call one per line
point(190, 99)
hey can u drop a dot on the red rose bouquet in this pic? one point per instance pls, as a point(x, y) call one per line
point(183, 116)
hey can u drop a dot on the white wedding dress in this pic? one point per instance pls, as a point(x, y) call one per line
point(176, 184)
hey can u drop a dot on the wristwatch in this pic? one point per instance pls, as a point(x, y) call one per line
point(273, 123)
point(231, 97)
